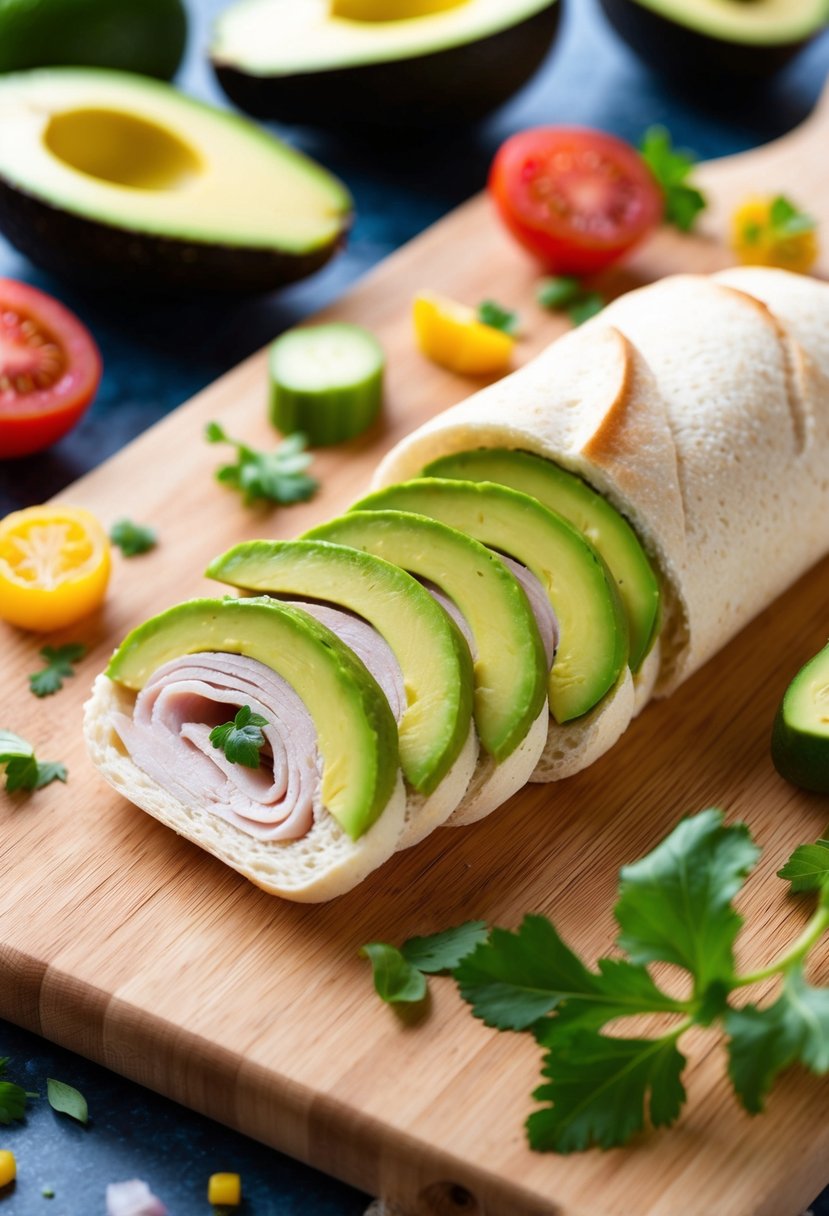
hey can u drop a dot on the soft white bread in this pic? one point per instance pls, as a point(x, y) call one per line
point(492, 783)
point(319, 866)
point(700, 408)
point(425, 812)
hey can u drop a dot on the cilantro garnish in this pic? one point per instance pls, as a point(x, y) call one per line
point(59, 662)
point(672, 168)
point(395, 979)
point(492, 314)
point(23, 770)
point(12, 1098)
point(788, 220)
point(241, 740)
point(563, 293)
point(133, 539)
point(67, 1100)
point(277, 476)
point(674, 906)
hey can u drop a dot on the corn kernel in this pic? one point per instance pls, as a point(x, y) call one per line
point(8, 1167)
point(224, 1190)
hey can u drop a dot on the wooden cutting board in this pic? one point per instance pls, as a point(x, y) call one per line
point(125, 943)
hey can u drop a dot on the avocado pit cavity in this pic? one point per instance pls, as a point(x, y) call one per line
point(122, 149)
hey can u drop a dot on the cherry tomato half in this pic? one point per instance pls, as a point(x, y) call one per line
point(49, 369)
point(576, 199)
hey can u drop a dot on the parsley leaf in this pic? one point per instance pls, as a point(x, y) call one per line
point(492, 314)
point(599, 1089)
point(12, 1098)
point(808, 867)
point(59, 665)
point(558, 292)
point(762, 1042)
point(586, 307)
point(67, 1100)
point(672, 167)
point(395, 979)
point(675, 904)
point(444, 951)
point(133, 539)
point(787, 219)
point(277, 476)
point(514, 979)
point(241, 740)
point(23, 771)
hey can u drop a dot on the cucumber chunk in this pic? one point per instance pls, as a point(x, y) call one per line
point(800, 737)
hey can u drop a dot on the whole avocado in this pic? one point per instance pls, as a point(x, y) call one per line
point(145, 36)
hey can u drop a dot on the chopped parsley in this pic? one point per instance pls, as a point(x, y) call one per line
point(59, 665)
point(278, 476)
point(133, 539)
point(241, 740)
point(496, 317)
point(672, 168)
point(23, 770)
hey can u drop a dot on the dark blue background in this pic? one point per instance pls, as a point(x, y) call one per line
point(157, 354)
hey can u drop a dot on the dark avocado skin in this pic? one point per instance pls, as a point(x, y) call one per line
point(98, 255)
point(453, 87)
point(689, 57)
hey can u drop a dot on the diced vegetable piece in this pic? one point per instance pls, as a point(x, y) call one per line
point(224, 1190)
point(8, 1167)
point(452, 336)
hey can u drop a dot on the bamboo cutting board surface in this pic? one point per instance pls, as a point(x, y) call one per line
point(131, 946)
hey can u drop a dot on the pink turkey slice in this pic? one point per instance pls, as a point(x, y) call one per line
point(168, 736)
point(541, 607)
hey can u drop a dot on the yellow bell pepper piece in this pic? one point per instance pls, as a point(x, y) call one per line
point(8, 1167)
point(451, 335)
point(771, 232)
point(224, 1190)
point(390, 10)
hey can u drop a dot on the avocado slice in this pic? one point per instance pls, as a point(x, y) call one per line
point(722, 42)
point(510, 668)
point(433, 656)
point(356, 731)
point(439, 63)
point(609, 533)
point(594, 637)
point(117, 180)
point(800, 737)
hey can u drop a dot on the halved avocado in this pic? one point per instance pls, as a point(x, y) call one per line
point(433, 656)
point(510, 666)
point(593, 647)
point(609, 533)
point(379, 63)
point(717, 41)
point(116, 180)
point(800, 737)
point(356, 732)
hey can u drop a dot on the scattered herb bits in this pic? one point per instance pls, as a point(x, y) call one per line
point(67, 1100)
point(326, 381)
point(774, 232)
point(497, 317)
point(672, 168)
point(59, 665)
point(563, 293)
point(23, 770)
point(12, 1097)
point(241, 740)
point(133, 539)
point(278, 476)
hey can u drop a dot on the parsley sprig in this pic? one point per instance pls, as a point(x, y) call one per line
point(12, 1098)
point(674, 906)
point(672, 168)
point(277, 476)
point(241, 740)
point(564, 293)
point(497, 317)
point(23, 770)
point(59, 665)
point(133, 539)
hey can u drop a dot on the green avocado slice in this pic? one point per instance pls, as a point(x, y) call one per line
point(608, 531)
point(593, 647)
point(356, 731)
point(510, 669)
point(433, 655)
point(800, 737)
point(150, 186)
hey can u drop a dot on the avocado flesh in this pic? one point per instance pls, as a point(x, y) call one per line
point(800, 737)
point(132, 158)
point(510, 668)
point(432, 654)
point(290, 60)
point(356, 732)
point(593, 647)
point(608, 532)
point(745, 21)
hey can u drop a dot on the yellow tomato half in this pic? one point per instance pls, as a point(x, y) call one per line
point(757, 243)
point(54, 566)
point(451, 335)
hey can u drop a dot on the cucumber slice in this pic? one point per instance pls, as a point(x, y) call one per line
point(326, 381)
point(800, 738)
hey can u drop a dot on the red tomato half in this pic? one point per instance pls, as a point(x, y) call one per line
point(577, 199)
point(49, 369)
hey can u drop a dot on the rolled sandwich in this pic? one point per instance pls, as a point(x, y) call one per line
point(312, 799)
point(698, 409)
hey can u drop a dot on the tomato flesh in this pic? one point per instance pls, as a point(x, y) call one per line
point(50, 369)
point(577, 199)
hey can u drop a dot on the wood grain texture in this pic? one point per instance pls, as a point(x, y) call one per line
point(131, 946)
